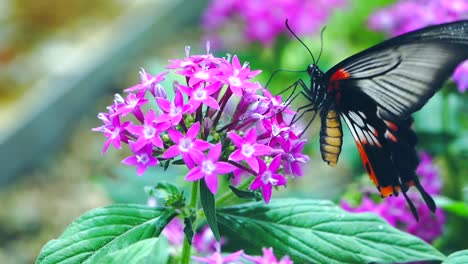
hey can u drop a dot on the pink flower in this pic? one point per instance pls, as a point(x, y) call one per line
point(293, 157)
point(147, 82)
point(173, 111)
point(132, 103)
point(204, 241)
point(174, 232)
point(268, 258)
point(113, 130)
point(201, 95)
point(268, 177)
point(217, 102)
point(209, 167)
point(185, 145)
point(217, 258)
point(142, 159)
point(236, 77)
point(149, 132)
point(460, 77)
point(263, 20)
point(248, 148)
point(395, 209)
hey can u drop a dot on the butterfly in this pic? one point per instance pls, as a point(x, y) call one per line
point(375, 92)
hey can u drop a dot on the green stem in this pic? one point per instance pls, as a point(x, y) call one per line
point(187, 248)
point(229, 194)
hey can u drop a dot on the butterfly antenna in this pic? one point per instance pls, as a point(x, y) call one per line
point(294, 34)
point(321, 43)
point(276, 71)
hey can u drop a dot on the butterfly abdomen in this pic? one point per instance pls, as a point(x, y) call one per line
point(331, 135)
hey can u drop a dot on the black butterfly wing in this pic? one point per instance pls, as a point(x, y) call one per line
point(387, 148)
point(402, 73)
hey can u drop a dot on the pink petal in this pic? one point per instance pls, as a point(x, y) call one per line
point(211, 102)
point(141, 169)
point(171, 152)
point(274, 165)
point(253, 163)
point(197, 156)
point(201, 145)
point(257, 183)
point(185, 89)
point(262, 150)
point(175, 135)
point(212, 182)
point(192, 132)
point(164, 104)
point(236, 139)
point(179, 98)
point(131, 161)
point(224, 167)
point(194, 174)
point(141, 142)
point(237, 91)
point(266, 192)
point(237, 155)
point(157, 141)
point(236, 62)
point(212, 88)
point(261, 165)
point(251, 136)
point(281, 180)
point(215, 152)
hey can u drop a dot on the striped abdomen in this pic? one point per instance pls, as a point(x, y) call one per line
point(331, 135)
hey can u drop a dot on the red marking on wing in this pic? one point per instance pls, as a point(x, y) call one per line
point(367, 164)
point(340, 74)
point(391, 125)
point(386, 191)
point(391, 136)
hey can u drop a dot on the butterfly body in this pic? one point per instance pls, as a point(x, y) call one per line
point(376, 91)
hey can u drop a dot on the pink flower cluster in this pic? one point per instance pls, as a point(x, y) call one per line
point(410, 15)
point(219, 122)
point(396, 212)
point(264, 19)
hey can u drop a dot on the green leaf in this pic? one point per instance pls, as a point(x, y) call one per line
point(145, 251)
point(460, 257)
point(457, 207)
point(245, 194)
point(315, 231)
point(105, 230)
point(208, 205)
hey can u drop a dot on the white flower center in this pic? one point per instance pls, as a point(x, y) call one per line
point(132, 102)
point(235, 81)
point(143, 158)
point(185, 144)
point(275, 130)
point(247, 150)
point(290, 158)
point(202, 75)
point(200, 94)
point(149, 131)
point(267, 177)
point(115, 133)
point(175, 110)
point(208, 167)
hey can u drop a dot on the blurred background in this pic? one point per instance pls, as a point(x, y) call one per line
point(61, 62)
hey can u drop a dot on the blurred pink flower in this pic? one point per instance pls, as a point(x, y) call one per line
point(263, 20)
